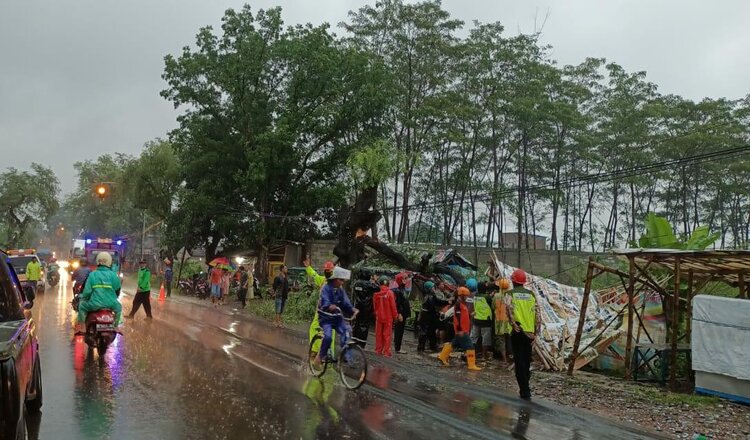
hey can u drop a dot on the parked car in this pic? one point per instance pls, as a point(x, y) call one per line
point(20, 368)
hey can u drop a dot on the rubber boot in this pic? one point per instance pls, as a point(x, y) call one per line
point(471, 357)
point(445, 354)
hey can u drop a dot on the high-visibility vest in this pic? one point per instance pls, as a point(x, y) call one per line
point(482, 311)
point(524, 308)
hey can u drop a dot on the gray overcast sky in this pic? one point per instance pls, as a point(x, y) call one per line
point(79, 78)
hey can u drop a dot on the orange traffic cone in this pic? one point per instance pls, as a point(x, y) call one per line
point(162, 294)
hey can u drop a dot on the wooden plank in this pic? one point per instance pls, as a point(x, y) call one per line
point(675, 326)
point(582, 315)
point(604, 343)
point(689, 317)
point(631, 312)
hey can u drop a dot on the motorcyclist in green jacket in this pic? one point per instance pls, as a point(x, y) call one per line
point(52, 267)
point(101, 290)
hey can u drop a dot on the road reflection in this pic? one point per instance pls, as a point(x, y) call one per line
point(94, 398)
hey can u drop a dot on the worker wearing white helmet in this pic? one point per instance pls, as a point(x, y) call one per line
point(101, 290)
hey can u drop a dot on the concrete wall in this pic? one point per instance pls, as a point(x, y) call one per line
point(564, 266)
point(320, 251)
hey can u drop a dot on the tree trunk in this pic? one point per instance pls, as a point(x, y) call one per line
point(385, 217)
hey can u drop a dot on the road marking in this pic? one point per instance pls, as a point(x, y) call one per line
point(244, 358)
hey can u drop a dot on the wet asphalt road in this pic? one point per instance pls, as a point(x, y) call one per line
point(197, 373)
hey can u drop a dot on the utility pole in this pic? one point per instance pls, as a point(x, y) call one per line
point(143, 235)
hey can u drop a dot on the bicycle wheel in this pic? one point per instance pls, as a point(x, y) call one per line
point(353, 366)
point(316, 371)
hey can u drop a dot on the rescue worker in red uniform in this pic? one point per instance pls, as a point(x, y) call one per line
point(384, 305)
point(462, 326)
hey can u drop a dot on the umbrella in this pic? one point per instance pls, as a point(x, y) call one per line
point(220, 261)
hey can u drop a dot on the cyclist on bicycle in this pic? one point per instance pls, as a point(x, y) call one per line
point(333, 303)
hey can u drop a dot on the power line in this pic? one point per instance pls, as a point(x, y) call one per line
point(591, 178)
point(563, 184)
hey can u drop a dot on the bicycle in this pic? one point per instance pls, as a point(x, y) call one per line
point(351, 362)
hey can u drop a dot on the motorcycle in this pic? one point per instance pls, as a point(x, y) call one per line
point(195, 286)
point(100, 330)
point(53, 278)
point(29, 290)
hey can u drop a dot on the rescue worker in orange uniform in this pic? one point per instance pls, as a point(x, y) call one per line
point(462, 326)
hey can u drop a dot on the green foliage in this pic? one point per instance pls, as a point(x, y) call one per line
point(700, 239)
point(270, 117)
point(154, 179)
point(373, 164)
point(659, 235)
point(300, 307)
point(28, 199)
point(189, 268)
point(115, 214)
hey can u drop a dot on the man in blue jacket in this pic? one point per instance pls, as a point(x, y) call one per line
point(333, 303)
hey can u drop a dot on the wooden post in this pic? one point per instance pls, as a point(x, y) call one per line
point(675, 325)
point(689, 307)
point(689, 319)
point(631, 312)
point(741, 285)
point(582, 317)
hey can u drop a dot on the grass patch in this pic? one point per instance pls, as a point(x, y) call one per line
point(300, 307)
point(654, 395)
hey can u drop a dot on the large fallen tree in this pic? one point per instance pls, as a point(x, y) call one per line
point(352, 240)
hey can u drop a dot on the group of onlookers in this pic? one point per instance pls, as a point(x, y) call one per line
point(220, 280)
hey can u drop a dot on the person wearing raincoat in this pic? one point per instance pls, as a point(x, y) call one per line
point(333, 305)
point(384, 304)
point(101, 290)
point(462, 325)
point(319, 281)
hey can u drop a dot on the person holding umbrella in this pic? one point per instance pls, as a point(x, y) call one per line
point(215, 279)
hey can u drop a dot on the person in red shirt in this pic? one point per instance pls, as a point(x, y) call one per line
point(462, 326)
point(215, 278)
point(384, 305)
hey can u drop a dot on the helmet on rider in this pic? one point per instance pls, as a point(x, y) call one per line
point(384, 280)
point(471, 284)
point(428, 286)
point(339, 273)
point(328, 267)
point(104, 259)
point(463, 291)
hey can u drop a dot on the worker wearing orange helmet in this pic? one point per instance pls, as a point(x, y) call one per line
point(462, 326)
point(524, 317)
point(319, 281)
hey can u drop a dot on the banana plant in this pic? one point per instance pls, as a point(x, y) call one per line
point(660, 235)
